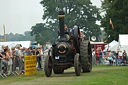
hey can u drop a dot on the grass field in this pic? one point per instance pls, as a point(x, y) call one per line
point(100, 75)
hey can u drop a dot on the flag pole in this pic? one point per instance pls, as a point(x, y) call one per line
point(4, 34)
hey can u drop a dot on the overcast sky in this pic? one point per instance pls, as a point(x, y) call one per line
point(20, 15)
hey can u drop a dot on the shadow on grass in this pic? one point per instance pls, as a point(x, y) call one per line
point(65, 74)
point(68, 73)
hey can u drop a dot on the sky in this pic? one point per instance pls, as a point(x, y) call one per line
point(19, 16)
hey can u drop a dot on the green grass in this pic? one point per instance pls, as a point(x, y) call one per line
point(100, 75)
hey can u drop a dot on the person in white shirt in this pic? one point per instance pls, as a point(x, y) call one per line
point(93, 57)
point(2, 48)
point(20, 55)
point(42, 57)
point(120, 54)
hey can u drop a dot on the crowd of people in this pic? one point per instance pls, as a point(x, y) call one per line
point(110, 57)
point(12, 59)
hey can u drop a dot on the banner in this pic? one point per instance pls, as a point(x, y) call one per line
point(30, 65)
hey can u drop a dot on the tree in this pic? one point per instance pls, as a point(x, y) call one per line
point(27, 36)
point(44, 33)
point(78, 12)
point(117, 10)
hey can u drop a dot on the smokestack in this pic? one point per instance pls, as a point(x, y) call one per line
point(61, 23)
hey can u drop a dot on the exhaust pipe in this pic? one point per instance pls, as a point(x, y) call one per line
point(61, 16)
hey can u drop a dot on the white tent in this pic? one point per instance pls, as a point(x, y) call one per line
point(10, 44)
point(123, 39)
point(114, 47)
point(111, 46)
point(123, 42)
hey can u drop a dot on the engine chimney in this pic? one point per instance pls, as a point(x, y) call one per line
point(61, 16)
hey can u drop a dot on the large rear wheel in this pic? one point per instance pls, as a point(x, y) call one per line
point(76, 39)
point(48, 66)
point(86, 56)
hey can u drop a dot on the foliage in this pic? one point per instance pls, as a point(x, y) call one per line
point(78, 12)
point(19, 37)
point(117, 10)
point(44, 33)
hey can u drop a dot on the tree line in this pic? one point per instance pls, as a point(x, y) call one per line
point(19, 37)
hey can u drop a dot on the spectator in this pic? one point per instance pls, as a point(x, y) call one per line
point(107, 53)
point(97, 57)
point(82, 36)
point(100, 56)
point(110, 60)
point(26, 51)
point(12, 49)
point(23, 51)
point(3, 55)
point(22, 58)
point(42, 57)
point(9, 54)
point(111, 54)
point(117, 55)
point(14, 60)
point(119, 61)
point(66, 28)
point(103, 57)
point(120, 54)
point(29, 51)
point(38, 58)
point(124, 57)
point(2, 48)
point(20, 55)
point(127, 59)
point(93, 57)
point(33, 51)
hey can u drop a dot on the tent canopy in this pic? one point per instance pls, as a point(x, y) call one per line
point(112, 46)
point(123, 39)
point(123, 42)
point(10, 44)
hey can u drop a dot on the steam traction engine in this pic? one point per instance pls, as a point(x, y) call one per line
point(68, 51)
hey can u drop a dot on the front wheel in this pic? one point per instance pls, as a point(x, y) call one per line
point(77, 65)
point(48, 66)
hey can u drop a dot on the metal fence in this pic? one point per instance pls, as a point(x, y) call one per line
point(12, 67)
